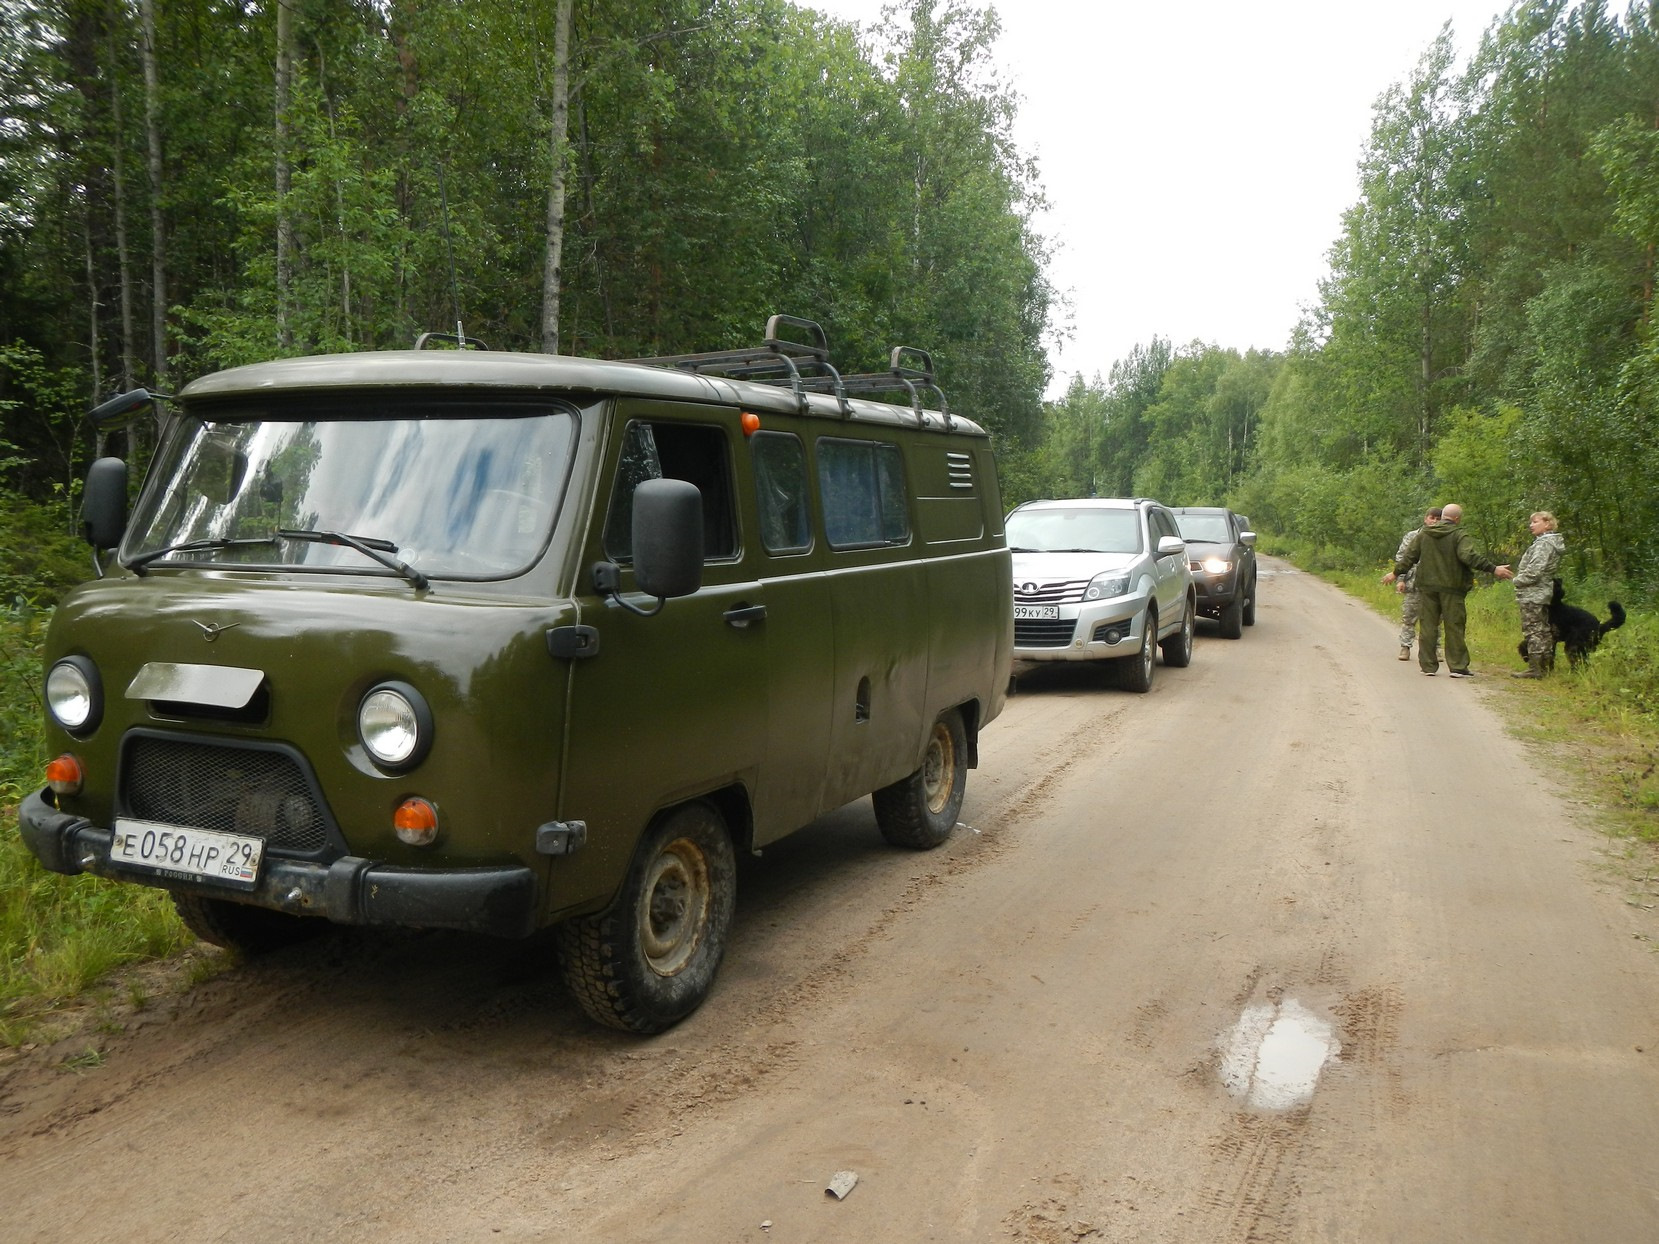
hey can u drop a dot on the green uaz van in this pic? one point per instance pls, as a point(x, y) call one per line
point(487, 641)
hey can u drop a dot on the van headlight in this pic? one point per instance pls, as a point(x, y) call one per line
point(75, 694)
point(395, 725)
point(1106, 586)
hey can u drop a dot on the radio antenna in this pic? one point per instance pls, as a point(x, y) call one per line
point(449, 249)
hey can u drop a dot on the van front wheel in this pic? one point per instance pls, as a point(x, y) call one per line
point(921, 810)
point(648, 960)
point(241, 927)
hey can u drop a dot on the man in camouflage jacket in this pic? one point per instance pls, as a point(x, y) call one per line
point(1534, 585)
point(1446, 559)
point(1407, 584)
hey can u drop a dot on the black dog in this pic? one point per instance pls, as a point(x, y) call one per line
point(1577, 629)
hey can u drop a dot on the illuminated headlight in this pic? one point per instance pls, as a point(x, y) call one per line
point(1106, 586)
point(1217, 565)
point(75, 694)
point(395, 725)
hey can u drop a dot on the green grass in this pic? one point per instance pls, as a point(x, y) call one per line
point(59, 936)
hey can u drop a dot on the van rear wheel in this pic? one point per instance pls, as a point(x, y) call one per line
point(649, 960)
point(921, 810)
point(240, 927)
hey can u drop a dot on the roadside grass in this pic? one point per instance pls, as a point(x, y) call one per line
point(59, 936)
point(1601, 722)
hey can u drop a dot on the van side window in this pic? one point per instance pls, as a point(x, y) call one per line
point(862, 483)
point(780, 491)
point(695, 453)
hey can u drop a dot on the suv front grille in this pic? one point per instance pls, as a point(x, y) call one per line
point(1038, 634)
point(1061, 593)
point(234, 790)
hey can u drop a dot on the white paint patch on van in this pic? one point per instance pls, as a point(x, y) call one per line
point(1275, 1054)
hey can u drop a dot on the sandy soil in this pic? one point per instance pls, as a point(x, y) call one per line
point(1299, 947)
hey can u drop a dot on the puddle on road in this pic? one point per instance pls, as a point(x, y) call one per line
point(1275, 1054)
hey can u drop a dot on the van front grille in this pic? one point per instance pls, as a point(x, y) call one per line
point(234, 790)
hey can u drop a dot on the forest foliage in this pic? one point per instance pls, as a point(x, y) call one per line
point(161, 216)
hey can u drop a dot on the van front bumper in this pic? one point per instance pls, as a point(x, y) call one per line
point(500, 900)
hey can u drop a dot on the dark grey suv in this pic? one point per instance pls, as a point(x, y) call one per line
point(1222, 554)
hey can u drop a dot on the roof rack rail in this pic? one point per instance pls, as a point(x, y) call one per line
point(904, 375)
point(777, 360)
point(805, 367)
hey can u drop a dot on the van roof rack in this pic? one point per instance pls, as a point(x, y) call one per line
point(805, 367)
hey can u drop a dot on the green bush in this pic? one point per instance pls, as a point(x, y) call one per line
point(58, 935)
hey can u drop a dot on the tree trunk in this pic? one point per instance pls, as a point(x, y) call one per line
point(158, 234)
point(284, 226)
point(558, 140)
point(118, 159)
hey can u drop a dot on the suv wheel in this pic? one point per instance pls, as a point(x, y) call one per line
point(1232, 619)
point(1178, 647)
point(1250, 604)
point(1137, 675)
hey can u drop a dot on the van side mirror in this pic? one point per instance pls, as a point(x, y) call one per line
point(667, 545)
point(104, 503)
point(668, 537)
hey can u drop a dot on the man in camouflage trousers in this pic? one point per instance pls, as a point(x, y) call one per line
point(1410, 602)
point(1534, 585)
point(1448, 559)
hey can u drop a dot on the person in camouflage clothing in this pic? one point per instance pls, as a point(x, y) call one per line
point(1447, 559)
point(1406, 584)
point(1534, 584)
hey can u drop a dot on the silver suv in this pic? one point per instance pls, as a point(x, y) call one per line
point(1098, 579)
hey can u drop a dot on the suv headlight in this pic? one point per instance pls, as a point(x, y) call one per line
point(75, 694)
point(1217, 565)
point(395, 725)
point(1106, 586)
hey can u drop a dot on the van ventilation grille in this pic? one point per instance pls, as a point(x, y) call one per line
point(960, 467)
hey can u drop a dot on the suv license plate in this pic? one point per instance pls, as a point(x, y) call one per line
point(1039, 613)
point(181, 851)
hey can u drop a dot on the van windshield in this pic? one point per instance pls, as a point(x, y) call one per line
point(1074, 531)
point(448, 497)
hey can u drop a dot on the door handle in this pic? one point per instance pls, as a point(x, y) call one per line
point(742, 615)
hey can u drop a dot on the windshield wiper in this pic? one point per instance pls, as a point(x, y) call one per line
point(376, 550)
point(197, 546)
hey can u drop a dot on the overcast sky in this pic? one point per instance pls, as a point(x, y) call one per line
point(1198, 156)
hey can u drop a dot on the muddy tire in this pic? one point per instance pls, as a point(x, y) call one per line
point(1177, 648)
point(921, 810)
point(649, 960)
point(1250, 605)
point(1232, 619)
point(247, 930)
point(1137, 670)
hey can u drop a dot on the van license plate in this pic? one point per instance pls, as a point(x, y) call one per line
point(1039, 613)
point(181, 851)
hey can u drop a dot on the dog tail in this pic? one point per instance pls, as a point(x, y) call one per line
point(1616, 620)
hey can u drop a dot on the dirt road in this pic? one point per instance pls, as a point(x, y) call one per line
point(1299, 947)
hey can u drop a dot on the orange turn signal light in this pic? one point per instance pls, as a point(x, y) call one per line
point(751, 423)
point(416, 822)
point(65, 775)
